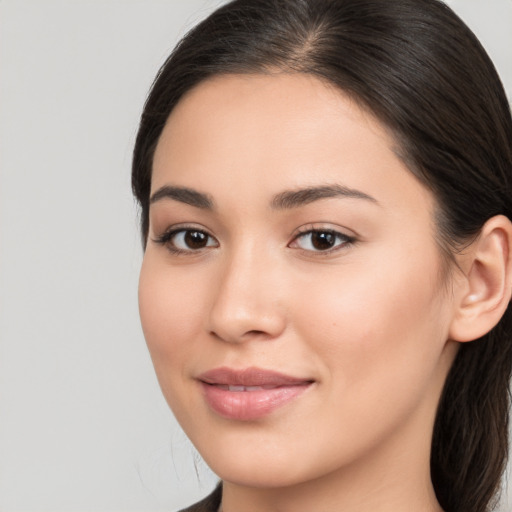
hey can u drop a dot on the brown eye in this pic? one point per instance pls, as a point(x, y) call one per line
point(187, 240)
point(321, 241)
point(195, 239)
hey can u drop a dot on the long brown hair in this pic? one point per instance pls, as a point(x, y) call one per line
point(422, 72)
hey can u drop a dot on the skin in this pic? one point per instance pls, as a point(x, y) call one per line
point(368, 320)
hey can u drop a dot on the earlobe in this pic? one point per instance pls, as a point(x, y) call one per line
point(484, 292)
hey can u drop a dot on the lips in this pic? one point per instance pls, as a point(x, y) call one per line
point(251, 393)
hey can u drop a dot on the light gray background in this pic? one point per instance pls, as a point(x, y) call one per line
point(83, 425)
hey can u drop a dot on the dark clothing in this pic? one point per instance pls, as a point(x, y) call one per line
point(209, 504)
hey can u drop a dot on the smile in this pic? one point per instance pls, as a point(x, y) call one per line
point(249, 394)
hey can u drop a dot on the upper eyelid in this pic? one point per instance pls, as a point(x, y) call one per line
point(324, 226)
point(175, 228)
point(346, 240)
point(298, 232)
point(166, 239)
point(319, 230)
point(172, 231)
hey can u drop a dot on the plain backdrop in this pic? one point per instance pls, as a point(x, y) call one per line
point(83, 426)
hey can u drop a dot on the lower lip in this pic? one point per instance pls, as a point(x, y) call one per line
point(250, 405)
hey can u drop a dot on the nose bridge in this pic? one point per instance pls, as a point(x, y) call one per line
point(246, 301)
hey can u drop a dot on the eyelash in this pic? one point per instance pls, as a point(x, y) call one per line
point(167, 237)
point(345, 240)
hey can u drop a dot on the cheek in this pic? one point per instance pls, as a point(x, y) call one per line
point(378, 327)
point(171, 315)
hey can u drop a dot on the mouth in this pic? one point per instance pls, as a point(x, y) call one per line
point(251, 393)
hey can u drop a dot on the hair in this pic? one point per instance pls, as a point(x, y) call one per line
point(418, 68)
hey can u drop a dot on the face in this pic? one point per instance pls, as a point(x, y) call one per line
point(291, 292)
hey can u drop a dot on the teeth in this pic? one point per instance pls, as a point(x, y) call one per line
point(243, 388)
point(238, 389)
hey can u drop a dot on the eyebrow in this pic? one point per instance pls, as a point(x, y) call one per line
point(285, 200)
point(183, 195)
point(296, 198)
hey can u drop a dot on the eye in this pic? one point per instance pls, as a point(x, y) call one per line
point(186, 240)
point(321, 240)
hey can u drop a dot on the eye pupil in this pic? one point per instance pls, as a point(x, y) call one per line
point(322, 240)
point(196, 239)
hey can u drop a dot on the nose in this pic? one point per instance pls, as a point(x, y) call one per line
point(248, 299)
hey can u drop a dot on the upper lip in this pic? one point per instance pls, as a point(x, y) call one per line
point(252, 376)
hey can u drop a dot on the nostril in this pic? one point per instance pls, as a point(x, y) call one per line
point(254, 333)
point(245, 336)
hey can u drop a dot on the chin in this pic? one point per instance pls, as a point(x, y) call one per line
point(259, 466)
point(267, 476)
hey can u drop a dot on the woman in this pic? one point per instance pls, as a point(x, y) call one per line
point(325, 189)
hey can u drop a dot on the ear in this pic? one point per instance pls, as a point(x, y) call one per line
point(484, 290)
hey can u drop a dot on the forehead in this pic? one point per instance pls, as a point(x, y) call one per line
point(262, 133)
point(274, 109)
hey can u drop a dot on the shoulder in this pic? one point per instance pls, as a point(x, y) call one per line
point(209, 504)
